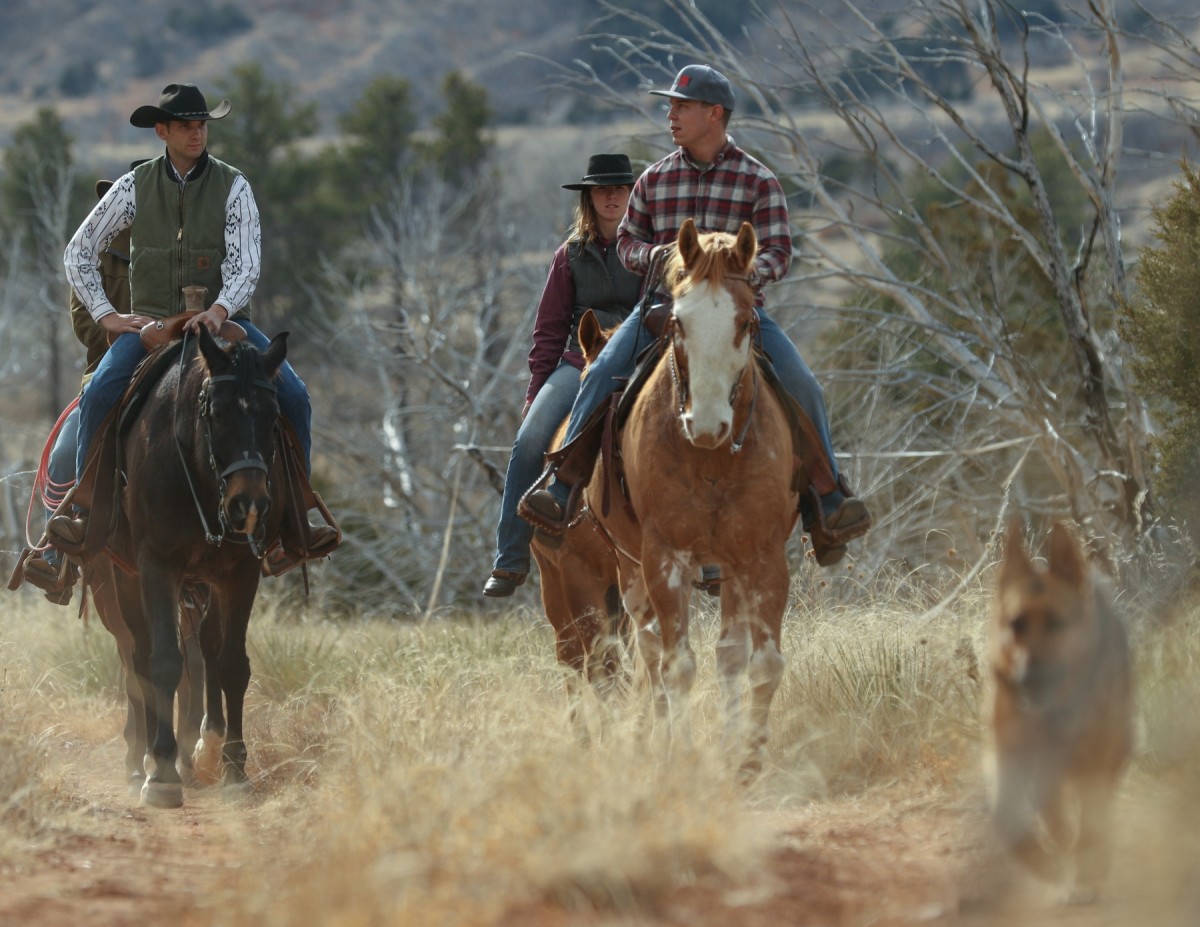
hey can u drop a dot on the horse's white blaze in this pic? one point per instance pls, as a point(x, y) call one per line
point(714, 363)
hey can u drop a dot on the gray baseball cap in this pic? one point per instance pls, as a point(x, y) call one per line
point(700, 82)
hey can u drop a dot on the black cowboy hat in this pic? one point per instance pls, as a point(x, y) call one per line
point(178, 101)
point(605, 170)
point(103, 186)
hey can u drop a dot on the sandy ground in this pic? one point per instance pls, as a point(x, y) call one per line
point(888, 859)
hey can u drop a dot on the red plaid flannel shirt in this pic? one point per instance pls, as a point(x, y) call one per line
point(733, 189)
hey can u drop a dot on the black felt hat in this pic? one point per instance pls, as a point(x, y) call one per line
point(605, 170)
point(178, 101)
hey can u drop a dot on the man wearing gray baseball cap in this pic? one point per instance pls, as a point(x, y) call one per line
point(711, 180)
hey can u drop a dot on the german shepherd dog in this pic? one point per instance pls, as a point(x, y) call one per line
point(1061, 713)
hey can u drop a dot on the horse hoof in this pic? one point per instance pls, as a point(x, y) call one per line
point(134, 784)
point(206, 761)
point(162, 794)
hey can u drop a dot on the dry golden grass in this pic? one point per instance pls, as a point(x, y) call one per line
point(433, 774)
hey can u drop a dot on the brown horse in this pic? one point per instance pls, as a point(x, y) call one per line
point(712, 479)
point(580, 584)
point(204, 498)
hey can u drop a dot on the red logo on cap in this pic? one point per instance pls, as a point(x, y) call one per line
point(684, 80)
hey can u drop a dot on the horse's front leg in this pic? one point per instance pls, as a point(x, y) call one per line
point(206, 760)
point(649, 642)
point(191, 689)
point(667, 574)
point(751, 619)
point(163, 787)
point(234, 667)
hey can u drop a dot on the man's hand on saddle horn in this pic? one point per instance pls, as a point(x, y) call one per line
point(117, 324)
point(211, 318)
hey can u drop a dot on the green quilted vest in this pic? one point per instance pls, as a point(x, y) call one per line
point(178, 236)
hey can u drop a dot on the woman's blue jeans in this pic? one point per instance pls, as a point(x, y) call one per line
point(550, 406)
point(112, 376)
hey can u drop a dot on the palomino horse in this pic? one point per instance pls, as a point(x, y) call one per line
point(580, 584)
point(204, 499)
point(708, 463)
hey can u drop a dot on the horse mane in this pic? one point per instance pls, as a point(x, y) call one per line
point(711, 265)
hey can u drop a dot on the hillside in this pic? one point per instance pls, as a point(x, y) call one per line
point(96, 63)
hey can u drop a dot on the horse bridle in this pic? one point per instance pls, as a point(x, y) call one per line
point(249, 461)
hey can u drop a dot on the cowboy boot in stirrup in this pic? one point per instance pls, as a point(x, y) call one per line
point(833, 520)
point(570, 467)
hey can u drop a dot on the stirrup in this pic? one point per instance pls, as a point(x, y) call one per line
point(543, 511)
point(55, 582)
point(829, 542)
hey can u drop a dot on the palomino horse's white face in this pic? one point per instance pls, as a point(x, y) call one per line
point(713, 329)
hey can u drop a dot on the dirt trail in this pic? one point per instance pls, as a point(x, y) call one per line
point(879, 861)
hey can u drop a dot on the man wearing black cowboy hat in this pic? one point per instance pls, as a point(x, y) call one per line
point(193, 221)
point(710, 179)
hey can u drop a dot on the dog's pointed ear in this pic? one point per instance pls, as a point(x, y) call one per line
point(1065, 558)
point(1016, 561)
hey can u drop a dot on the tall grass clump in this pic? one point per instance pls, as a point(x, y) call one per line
point(882, 693)
point(29, 805)
point(457, 790)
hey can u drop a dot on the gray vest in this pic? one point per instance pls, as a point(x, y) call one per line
point(603, 285)
point(178, 236)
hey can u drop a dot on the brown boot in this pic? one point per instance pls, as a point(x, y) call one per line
point(503, 583)
point(320, 542)
point(56, 581)
point(67, 532)
point(571, 466)
point(833, 520)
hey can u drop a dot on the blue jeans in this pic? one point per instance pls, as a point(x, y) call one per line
point(550, 407)
point(60, 468)
point(112, 376)
point(619, 358)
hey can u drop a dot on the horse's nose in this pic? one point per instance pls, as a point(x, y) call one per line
point(708, 439)
point(245, 510)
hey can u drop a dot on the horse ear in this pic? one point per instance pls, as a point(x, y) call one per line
point(217, 360)
point(688, 243)
point(591, 338)
point(746, 246)
point(275, 354)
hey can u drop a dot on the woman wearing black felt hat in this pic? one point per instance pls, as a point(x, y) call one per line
point(585, 273)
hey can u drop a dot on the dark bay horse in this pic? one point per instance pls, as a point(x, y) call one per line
point(708, 462)
point(203, 498)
